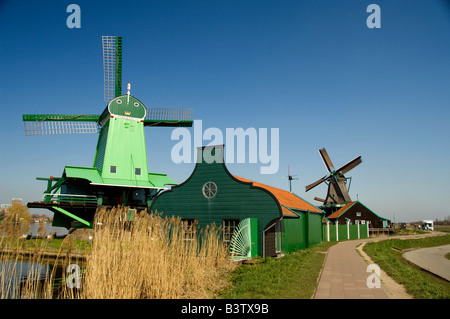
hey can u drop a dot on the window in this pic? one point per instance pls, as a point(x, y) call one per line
point(358, 214)
point(209, 190)
point(113, 169)
point(137, 171)
point(229, 226)
point(188, 228)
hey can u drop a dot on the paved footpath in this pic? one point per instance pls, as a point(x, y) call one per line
point(344, 275)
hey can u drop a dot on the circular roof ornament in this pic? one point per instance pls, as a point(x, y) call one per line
point(209, 190)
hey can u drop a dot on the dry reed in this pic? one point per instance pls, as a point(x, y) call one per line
point(148, 257)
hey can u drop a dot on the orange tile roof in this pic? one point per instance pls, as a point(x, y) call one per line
point(340, 211)
point(285, 198)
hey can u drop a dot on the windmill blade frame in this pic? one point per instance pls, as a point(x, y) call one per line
point(168, 117)
point(326, 159)
point(112, 66)
point(350, 165)
point(55, 124)
point(316, 183)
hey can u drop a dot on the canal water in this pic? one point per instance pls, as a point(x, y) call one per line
point(14, 273)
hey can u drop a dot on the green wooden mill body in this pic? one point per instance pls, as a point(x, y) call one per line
point(119, 175)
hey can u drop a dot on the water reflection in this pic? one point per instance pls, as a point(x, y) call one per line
point(13, 274)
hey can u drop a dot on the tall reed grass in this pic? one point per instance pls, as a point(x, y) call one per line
point(26, 273)
point(148, 257)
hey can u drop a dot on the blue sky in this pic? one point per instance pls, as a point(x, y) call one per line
point(313, 69)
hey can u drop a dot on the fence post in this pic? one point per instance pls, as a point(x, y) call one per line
point(328, 231)
point(337, 230)
point(348, 229)
point(357, 222)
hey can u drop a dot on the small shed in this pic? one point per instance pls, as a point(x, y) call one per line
point(282, 222)
point(357, 212)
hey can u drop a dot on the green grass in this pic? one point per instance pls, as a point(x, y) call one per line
point(420, 284)
point(443, 228)
point(293, 276)
point(41, 244)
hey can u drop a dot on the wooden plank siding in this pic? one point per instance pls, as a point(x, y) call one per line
point(239, 198)
point(234, 199)
point(357, 211)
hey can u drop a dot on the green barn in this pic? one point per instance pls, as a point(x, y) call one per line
point(278, 221)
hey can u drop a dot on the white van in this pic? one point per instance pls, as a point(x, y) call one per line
point(428, 225)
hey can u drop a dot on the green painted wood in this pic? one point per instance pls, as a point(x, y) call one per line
point(234, 199)
point(65, 212)
point(127, 106)
point(294, 235)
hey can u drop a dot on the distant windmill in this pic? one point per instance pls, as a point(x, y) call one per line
point(336, 181)
point(291, 178)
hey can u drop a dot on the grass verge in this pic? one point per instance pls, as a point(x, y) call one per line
point(420, 284)
point(292, 277)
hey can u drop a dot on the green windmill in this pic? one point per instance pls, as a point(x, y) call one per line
point(119, 175)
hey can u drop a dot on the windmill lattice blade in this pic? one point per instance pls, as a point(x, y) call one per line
point(157, 116)
point(326, 159)
point(319, 199)
point(60, 117)
point(33, 128)
point(350, 165)
point(112, 66)
point(311, 186)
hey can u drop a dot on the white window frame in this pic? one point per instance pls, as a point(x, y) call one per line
point(188, 228)
point(229, 225)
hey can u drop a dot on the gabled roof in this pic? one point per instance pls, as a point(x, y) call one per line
point(342, 210)
point(288, 201)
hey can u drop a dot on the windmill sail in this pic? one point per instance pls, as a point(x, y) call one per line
point(112, 66)
point(157, 116)
point(52, 124)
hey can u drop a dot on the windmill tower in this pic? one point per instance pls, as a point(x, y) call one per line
point(119, 175)
point(337, 194)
